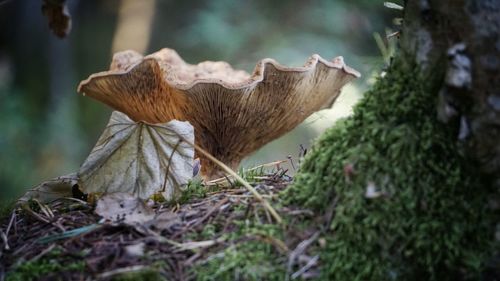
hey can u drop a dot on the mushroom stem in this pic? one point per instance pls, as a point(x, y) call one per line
point(211, 170)
point(223, 167)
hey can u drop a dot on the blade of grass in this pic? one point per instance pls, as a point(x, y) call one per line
point(222, 180)
point(69, 233)
point(250, 188)
point(228, 170)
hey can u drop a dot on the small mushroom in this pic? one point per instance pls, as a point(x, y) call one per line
point(234, 113)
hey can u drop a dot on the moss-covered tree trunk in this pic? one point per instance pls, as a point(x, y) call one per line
point(413, 175)
point(457, 45)
point(400, 190)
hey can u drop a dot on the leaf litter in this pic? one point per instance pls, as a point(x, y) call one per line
point(170, 236)
point(120, 233)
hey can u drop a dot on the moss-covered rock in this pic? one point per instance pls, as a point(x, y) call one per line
point(407, 205)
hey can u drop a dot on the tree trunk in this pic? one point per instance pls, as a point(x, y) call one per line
point(457, 44)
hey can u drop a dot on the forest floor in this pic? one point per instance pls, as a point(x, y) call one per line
point(67, 240)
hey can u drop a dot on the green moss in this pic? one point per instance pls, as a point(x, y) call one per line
point(52, 266)
point(194, 189)
point(431, 221)
point(252, 255)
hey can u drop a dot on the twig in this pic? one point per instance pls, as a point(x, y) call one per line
point(280, 245)
point(114, 272)
point(20, 249)
point(75, 199)
point(267, 165)
point(200, 244)
point(268, 217)
point(35, 215)
point(5, 241)
point(225, 178)
point(44, 252)
point(231, 183)
point(298, 212)
point(209, 213)
point(192, 259)
point(306, 267)
point(299, 250)
point(330, 212)
point(12, 217)
point(45, 209)
point(256, 215)
point(248, 196)
point(291, 162)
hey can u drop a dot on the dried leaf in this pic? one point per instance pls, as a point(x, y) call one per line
point(58, 16)
point(52, 189)
point(124, 208)
point(139, 158)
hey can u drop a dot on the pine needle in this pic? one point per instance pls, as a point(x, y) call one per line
point(68, 234)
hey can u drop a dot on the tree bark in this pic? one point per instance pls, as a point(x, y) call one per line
point(457, 45)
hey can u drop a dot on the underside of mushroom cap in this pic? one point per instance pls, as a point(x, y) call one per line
point(234, 113)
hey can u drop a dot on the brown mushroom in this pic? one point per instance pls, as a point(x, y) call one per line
point(233, 113)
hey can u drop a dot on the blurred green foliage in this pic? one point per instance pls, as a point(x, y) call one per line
point(46, 129)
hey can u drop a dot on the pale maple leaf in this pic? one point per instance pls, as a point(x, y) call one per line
point(139, 158)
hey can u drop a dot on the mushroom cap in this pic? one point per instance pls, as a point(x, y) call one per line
point(234, 113)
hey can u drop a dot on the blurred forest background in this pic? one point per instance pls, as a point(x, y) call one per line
point(47, 129)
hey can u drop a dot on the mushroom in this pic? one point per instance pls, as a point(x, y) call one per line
point(233, 113)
